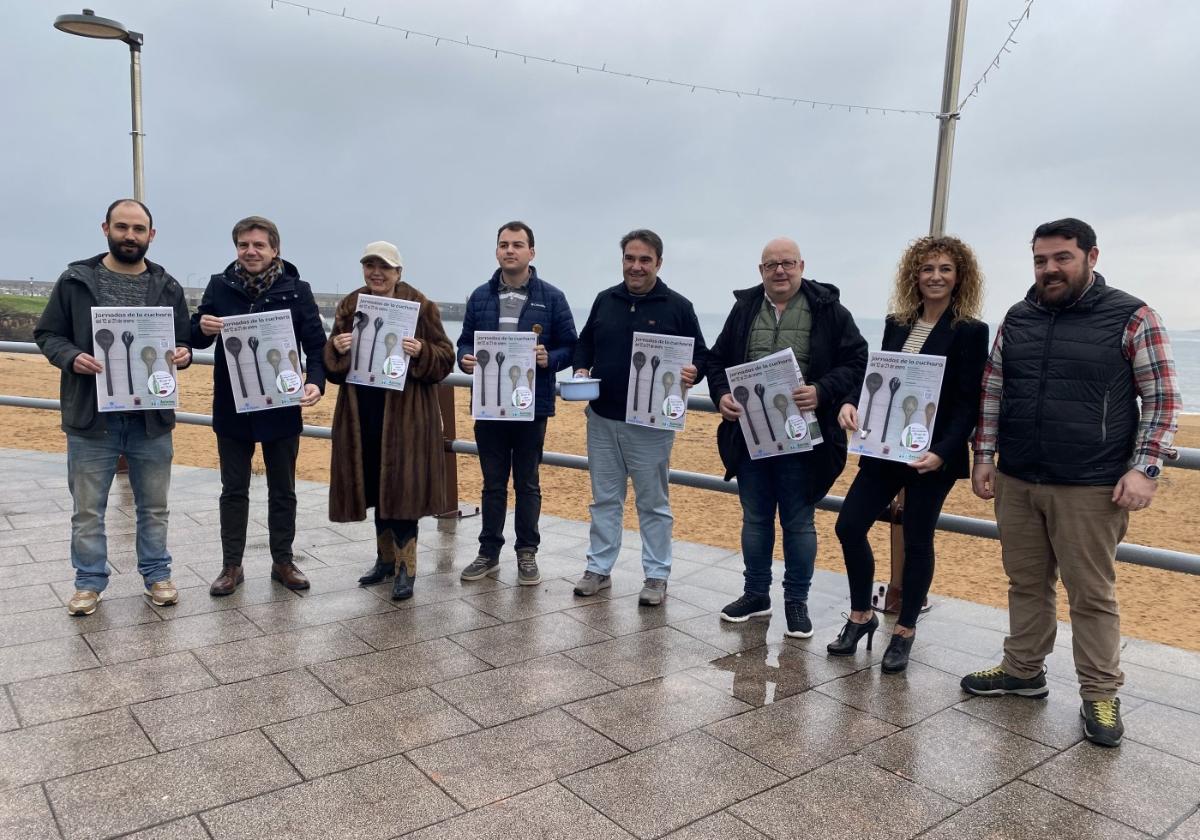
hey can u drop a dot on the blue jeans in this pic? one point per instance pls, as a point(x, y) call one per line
point(91, 465)
point(764, 486)
point(617, 452)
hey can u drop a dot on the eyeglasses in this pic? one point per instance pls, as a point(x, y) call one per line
point(786, 265)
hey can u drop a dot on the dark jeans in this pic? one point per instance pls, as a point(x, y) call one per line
point(280, 458)
point(504, 447)
point(764, 486)
point(876, 484)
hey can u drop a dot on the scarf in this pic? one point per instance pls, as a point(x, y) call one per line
point(256, 284)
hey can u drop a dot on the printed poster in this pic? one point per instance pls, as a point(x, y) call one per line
point(380, 326)
point(770, 422)
point(504, 375)
point(656, 395)
point(264, 362)
point(133, 344)
point(898, 406)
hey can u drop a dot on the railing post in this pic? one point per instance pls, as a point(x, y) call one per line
point(453, 508)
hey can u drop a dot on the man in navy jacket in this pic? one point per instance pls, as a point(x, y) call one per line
point(515, 300)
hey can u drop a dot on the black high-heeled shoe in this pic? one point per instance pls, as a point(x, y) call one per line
point(847, 641)
point(895, 658)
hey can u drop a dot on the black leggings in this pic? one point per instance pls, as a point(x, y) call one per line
point(876, 484)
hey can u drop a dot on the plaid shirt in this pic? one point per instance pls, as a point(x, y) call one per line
point(1148, 349)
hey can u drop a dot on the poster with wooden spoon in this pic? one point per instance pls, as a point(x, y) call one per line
point(656, 395)
point(134, 346)
point(504, 375)
point(377, 357)
point(771, 423)
point(898, 405)
point(259, 351)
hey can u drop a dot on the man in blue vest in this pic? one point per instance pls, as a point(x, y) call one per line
point(1076, 455)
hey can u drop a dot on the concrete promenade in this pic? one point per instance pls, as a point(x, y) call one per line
point(490, 710)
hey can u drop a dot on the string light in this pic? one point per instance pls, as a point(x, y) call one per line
point(1013, 26)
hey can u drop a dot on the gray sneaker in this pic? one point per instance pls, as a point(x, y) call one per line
point(654, 590)
point(480, 567)
point(527, 568)
point(591, 583)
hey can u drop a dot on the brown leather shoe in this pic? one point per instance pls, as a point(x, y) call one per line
point(231, 577)
point(287, 574)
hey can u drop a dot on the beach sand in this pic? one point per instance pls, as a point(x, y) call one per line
point(1155, 605)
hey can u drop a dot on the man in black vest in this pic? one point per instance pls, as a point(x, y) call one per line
point(1060, 405)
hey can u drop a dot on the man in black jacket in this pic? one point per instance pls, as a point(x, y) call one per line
point(259, 281)
point(784, 311)
point(619, 451)
point(122, 277)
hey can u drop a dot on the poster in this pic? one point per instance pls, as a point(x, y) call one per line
point(380, 325)
point(771, 424)
point(898, 406)
point(656, 395)
point(264, 362)
point(134, 344)
point(504, 375)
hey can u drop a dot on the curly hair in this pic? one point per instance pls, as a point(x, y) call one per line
point(967, 298)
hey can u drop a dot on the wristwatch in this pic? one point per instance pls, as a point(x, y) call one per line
point(1149, 470)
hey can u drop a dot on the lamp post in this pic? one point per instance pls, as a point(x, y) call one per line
point(88, 25)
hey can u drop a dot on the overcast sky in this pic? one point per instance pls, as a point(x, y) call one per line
point(345, 133)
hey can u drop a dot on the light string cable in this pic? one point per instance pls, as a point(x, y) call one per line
point(603, 68)
point(994, 64)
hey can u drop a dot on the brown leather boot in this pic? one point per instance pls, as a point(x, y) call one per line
point(287, 574)
point(406, 570)
point(385, 561)
point(230, 578)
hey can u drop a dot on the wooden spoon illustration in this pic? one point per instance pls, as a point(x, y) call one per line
point(234, 346)
point(294, 360)
point(389, 344)
point(482, 358)
point(654, 363)
point(252, 343)
point(742, 395)
point(374, 342)
point(930, 410)
point(668, 382)
point(761, 390)
point(893, 386)
point(149, 357)
point(274, 357)
point(514, 373)
point(639, 362)
point(781, 403)
point(874, 381)
point(529, 374)
point(127, 340)
point(499, 367)
point(909, 406)
point(360, 324)
point(105, 339)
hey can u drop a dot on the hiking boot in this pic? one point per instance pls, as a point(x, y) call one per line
point(162, 594)
point(230, 579)
point(992, 682)
point(745, 607)
point(654, 590)
point(480, 567)
point(799, 626)
point(527, 568)
point(591, 583)
point(290, 576)
point(1102, 721)
point(84, 602)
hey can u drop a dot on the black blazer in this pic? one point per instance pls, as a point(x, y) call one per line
point(965, 346)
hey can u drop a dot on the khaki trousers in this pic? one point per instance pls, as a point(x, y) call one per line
point(1052, 529)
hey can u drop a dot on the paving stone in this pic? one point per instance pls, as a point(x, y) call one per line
point(37, 753)
point(147, 791)
point(622, 616)
point(314, 609)
point(496, 763)
point(185, 829)
point(14, 555)
point(720, 826)
point(438, 587)
point(373, 675)
point(902, 699)
point(550, 811)
point(1171, 730)
point(734, 637)
point(345, 553)
point(496, 696)
point(1053, 721)
point(347, 737)
point(529, 639)
point(1020, 810)
point(419, 624)
point(196, 600)
point(1147, 789)
point(957, 663)
point(262, 655)
point(55, 623)
point(1161, 657)
point(1169, 689)
point(39, 659)
point(69, 695)
point(1189, 829)
point(25, 599)
point(25, 815)
point(8, 716)
point(710, 600)
point(163, 637)
point(669, 785)
point(517, 602)
point(129, 585)
point(174, 722)
point(657, 710)
point(766, 674)
point(830, 803)
point(642, 656)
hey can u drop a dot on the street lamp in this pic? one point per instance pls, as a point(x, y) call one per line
point(88, 25)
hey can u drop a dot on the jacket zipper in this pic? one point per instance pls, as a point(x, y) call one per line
point(1104, 418)
point(1042, 384)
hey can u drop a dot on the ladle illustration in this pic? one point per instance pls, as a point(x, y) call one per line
point(294, 360)
point(529, 373)
point(514, 373)
point(874, 381)
point(252, 343)
point(105, 339)
point(389, 344)
point(127, 340)
point(909, 406)
point(930, 410)
point(374, 342)
point(668, 382)
point(654, 363)
point(781, 403)
point(499, 367)
point(274, 357)
point(639, 362)
point(149, 357)
point(893, 386)
point(742, 395)
point(761, 390)
point(482, 358)
point(360, 324)
point(234, 346)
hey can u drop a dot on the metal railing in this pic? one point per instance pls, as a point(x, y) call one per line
point(1138, 555)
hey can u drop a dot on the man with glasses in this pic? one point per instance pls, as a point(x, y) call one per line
point(784, 311)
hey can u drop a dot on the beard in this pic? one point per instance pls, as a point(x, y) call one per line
point(1075, 285)
point(125, 252)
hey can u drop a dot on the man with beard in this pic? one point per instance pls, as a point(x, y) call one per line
point(259, 281)
point(95, 441)
point(1060, 406)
